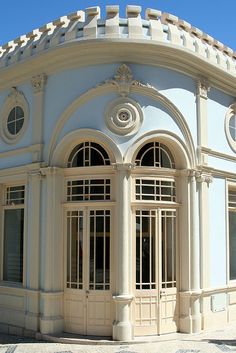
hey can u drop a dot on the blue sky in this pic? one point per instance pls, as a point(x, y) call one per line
point(215, 17)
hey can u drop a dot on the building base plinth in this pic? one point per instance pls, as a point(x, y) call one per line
point(51, 325)
point(122, 331)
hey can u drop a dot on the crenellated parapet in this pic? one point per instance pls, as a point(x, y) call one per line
point(156, 28)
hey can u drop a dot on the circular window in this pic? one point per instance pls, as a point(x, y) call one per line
point(15, 116)
point(15, 120)
point(230, 126)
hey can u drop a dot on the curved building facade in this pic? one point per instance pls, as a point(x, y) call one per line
point(117, 177)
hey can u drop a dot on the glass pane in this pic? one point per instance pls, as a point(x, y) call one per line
point(13, 245)
point(232, 127)
point(168, 249)
point(81, 250)
point(68, 249)
point(138, 280)
point(232, 244)
point(91, 250)
point(145, 250)
point(12, 116)
point(148, 158)
point(12, 128)
point(88, 154)
point(165, 160)
point(74, 249)
point(19, 124)
point(99, 249)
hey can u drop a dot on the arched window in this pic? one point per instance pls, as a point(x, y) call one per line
point(155, 154)
point(88, 154)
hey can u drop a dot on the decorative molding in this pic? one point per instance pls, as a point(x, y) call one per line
point(39, 82)
point(15, 96)
point(14, 99)
point(124, 116)
point(35, 174)
point(48, 36)
point(51, 171)
point(200, 176)
point(217, 154)
point(203, 177)
point(124, 167)
point(231, 113)
point(203, 87)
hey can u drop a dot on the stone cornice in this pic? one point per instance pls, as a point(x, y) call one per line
point(85, 26)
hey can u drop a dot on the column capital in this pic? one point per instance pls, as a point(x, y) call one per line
point(34, 174)
point(39, 82)
point(203, 177)
point(200, 176)
point(123, 166)
point(203, 87)
point(51, 171)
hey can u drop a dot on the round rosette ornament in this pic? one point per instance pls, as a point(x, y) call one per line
point(124, 116)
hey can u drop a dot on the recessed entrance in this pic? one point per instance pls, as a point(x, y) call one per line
point(88, 296)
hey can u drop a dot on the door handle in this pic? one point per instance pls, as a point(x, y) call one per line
point(162, 292)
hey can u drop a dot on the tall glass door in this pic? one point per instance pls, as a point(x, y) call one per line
point(88, 293)
point(156, 293)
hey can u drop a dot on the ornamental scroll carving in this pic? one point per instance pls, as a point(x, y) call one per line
point(202, 177)
point(123, 116)
point(38, 82)
point(203, 87)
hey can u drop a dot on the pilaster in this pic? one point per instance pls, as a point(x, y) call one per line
point(203, 182)
point(122, 327)
point(195, 314)
point(38, 84)
point(51, 296)
point(202, 118)
point(33, 250)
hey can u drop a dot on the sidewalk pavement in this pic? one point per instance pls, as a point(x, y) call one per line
point(222, 340)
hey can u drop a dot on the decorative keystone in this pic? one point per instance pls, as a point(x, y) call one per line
point(92, 11)
point(167, 17)
point(75, 16)
point(184, 25)
point(112, 10)
point(152, 14)
point(133, 11)
point(197, 32)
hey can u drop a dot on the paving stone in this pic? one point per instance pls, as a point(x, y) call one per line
point(187, 351)
point(11, 349)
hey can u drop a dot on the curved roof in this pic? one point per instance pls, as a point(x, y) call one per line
point(157, 28)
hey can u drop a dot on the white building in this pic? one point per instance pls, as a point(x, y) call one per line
point(117, 177)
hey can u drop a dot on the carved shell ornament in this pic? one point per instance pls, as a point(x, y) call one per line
point(124, 115)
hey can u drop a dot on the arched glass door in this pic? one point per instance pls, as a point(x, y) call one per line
point(88, 218)
point(155, 242)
